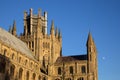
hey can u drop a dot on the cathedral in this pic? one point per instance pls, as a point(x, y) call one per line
point(37, 55)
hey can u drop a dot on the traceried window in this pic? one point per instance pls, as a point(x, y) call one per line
point(71, 69)
point(59, 70)
point(26, 62)
point(20, 73)
point(83, 69)
point(12, 70)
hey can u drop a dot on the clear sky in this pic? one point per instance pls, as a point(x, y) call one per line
point(76, 18)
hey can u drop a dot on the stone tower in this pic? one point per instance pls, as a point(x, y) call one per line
point(92, 59)
point(46, 47)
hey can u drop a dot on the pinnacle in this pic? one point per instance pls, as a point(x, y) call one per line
point(52, 26)
point(90, 39)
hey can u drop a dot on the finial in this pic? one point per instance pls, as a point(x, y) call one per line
point(31, 11)
point(14, 25)
point(14, 28)
point(25, 14)
point(52, 24)
point(45, 15)
point(52, 27)
point(39, 12)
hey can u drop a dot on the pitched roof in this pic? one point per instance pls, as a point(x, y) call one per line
point(71, 58)
point(15, 43)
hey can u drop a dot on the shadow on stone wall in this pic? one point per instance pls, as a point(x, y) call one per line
point(4, 68)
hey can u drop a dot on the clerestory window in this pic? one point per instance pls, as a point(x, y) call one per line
point(59, 70)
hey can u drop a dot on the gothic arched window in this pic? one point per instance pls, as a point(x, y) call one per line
point(12, 70)
point(71, 70)
point(83, 69)
point(26, 62)
point(13, 56)
point(59, 70)
point(20, 73)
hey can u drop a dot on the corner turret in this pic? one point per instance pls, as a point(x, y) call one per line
point(92, 58)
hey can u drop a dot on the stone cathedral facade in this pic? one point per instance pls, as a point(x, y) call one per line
point(37, 55)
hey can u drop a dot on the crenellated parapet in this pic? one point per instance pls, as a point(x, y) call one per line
point(31, 20)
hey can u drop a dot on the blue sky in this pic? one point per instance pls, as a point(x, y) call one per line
point(76, 18)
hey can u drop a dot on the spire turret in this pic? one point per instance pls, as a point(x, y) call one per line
point(90, 44)
point(14, 28)
point(10, 29)
point(92, 57)
point(90, 40)
point(52, 28)
point(59, 35)
point(39, 12)
point(14, 25)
